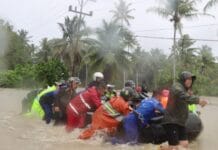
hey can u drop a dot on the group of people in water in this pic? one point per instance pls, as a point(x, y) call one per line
point(121, 115)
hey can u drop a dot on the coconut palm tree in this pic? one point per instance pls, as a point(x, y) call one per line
point(175, 11)
point(23, 34)
point(129, 39)
point(210, 4)
point(122, 13)
point(206, 59)
point(45, 53)
point(72, 41)
point(186, 53)
point(151, 63)
point(108, 54)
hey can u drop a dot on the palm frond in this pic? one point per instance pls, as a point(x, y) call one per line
point(160, 11)
point(210, 4)
point(121, 12)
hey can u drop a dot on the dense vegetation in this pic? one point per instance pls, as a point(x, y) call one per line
point(111, 48)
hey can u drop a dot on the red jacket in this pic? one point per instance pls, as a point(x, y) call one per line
point(87, 100)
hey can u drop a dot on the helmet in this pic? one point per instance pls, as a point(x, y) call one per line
point(74, 79)
point(110, 86)
point(130, 83)
point(127, 93)
point(98, 75)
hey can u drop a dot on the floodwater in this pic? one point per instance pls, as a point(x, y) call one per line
point(21, 133)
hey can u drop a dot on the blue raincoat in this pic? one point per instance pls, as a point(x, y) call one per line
point(138, 119)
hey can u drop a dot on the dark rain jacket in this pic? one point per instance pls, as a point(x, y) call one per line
point(63, 98)
point(179, 98)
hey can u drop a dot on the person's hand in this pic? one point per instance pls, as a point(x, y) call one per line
point(202, 103)
point(57, 109)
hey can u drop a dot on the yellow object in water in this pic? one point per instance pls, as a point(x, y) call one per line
point(36, 109)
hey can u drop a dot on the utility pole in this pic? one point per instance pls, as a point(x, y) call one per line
point(80, 12)
point(137, 78)
point(124, 78)
point(175, 20)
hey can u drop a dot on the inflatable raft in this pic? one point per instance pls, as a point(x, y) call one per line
point(155, 132)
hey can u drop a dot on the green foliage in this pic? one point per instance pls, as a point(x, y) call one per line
point(45, 52)
point(113, 50)
point(21, 76)
point(51, 71)
point(107, 53)
point(74, 31)
point(8, 79)
point(205, 86)
point(199, 61)
point(17, 51)
point(45, 73)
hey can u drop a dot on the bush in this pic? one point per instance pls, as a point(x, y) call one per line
point(9, 78)
point(21, 76)
point(51, 71)
point(45, 73)
point(205, 86)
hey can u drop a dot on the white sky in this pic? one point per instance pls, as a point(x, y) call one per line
point(40, 18)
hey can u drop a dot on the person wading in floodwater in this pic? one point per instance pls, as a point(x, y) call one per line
point(177, 111)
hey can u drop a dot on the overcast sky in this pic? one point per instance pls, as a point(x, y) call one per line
point(40, 18)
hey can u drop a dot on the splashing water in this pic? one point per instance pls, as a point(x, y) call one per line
point(21, 133)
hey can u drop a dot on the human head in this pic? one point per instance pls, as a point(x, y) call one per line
point(101, 87)
point(97, 76)
point(127, 93)
point(130, 83)
point(74, 82)
point(157, 94)
point(187, 79)
point(138, 89)
point(110, 87)
point(165, 93)
point(135, 100)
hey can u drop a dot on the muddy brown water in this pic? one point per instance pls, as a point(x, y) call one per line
point(21, 133)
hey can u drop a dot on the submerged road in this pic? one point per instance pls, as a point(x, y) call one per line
point(22, 133)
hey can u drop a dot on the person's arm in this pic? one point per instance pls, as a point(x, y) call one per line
point(57, 97)
point(159, 107)
point(183, 95)
point(122, 107)
point(96, 99)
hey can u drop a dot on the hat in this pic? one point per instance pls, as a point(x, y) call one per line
point(74, 79)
